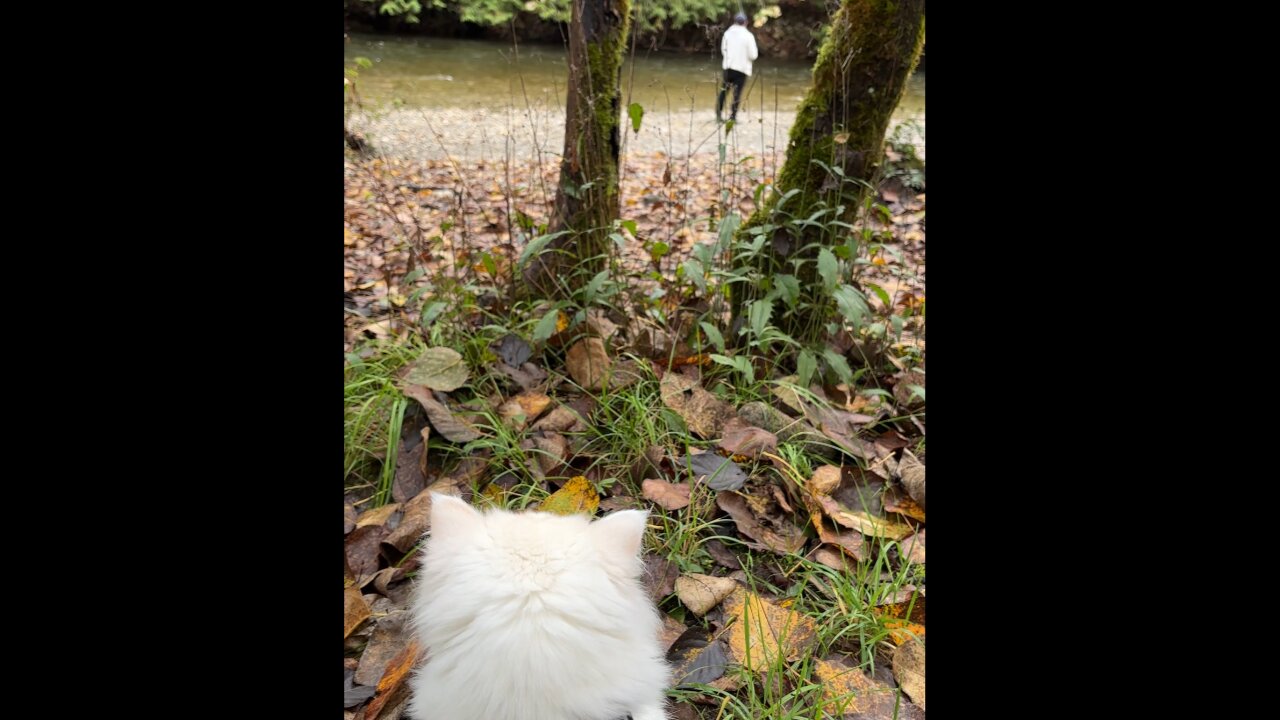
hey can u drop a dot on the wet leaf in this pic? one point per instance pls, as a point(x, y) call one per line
point(362, 547)
point(721, 473)
point(514, 351)
point(410, 478)
point(908, 670)
point(722, 555)
point(696, 658)
point(912, 548)
point(355, 610)
point(377, 516)
point(742, 439)
point(659, 576)
point(700, 593)
point(760, 632)
point(588, 363)
point(848, 692)
point(912, 472)
point(388, 640)
point(438, 368)
point(779, 535)
point(357, 695)
point(704, 413)
point(671, 496)
point(417, 518)
point(392, 687)
point(443, 419)
point(576, 496)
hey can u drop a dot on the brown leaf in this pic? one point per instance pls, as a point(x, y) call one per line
point(848, 692)
point(355, 610)
point(833, 559)
point(722, 555)
point(528, 376)
point(362, 551)
point(588, 363)
point(561, 419)
point(704, 413)
point(779, 534)
point(576, 496)
point(533, 403)
point(377, 516)
point(825, 480)
point(548, 449)
point(912, 548)
point(349, 518)
point(410, 478)
point(742, 439)
point(854, 502)
point(908, 670)
point(659, 576)
point(672, 496)
point(912, 472)
point(388, 639)
point(760, 632)
point(899, 502)
point(392, 686)
point(700, 593)
point(417, 518)
point(851, 543)
point(449, 426)
point(671, 630)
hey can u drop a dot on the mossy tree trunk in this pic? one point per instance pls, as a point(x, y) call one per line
point(858, 79)
point(587, 199)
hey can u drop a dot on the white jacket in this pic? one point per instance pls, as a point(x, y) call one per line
point(738, 46)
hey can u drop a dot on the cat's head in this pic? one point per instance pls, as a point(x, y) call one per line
point(542, 540)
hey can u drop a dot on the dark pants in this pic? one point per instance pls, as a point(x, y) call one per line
point(737, 80)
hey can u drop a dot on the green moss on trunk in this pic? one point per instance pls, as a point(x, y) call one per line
point(597, 37)
point(858, 79)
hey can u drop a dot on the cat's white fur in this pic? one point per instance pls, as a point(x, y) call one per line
point(534, 616)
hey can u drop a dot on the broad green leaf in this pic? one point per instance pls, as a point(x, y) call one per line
point(827, 269)
point(713, 335)
point(806, 366)
point(636, 112)
point(838, 364)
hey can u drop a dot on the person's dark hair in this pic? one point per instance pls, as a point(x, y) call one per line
point(740, 19)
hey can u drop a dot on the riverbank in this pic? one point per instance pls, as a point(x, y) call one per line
point(481, 134)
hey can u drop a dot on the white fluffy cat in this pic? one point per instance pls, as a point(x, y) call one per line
point(534, 616)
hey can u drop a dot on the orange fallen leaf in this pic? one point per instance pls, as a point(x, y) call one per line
point(355, 610)
point(392, 683)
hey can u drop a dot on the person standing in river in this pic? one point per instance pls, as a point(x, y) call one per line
point(738, 47)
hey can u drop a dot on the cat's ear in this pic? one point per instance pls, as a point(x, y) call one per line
point(452, 516)
point(619, 533)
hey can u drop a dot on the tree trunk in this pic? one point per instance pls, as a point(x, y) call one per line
point(858, 79)
point(587, 199)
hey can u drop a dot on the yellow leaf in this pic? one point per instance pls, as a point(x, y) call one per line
point(562, 321)
point(577, 496)
point(762, 633)
point(878, 260)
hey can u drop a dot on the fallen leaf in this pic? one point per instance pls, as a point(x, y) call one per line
point(868, 524)
point(410, 477)
point(391, 687)
point(513, 415)
point(357, 695)
point(901, 631)
point(908, 670)
point(704, 413)
point(348, 518)
point(576, 496)
point(850, 496)
point(901, 503)
point(848, 692)
point(362, 547)
point(388, 639)
point(786, 539)
point(833, 559)
point(528, 376)
point(671, 496)
point(438, 368)
point(549, 450)
point(825, 480)
point(722, 555)
point(417, 518)
point(453, 429)
point(852, 543)
point(671, 631)
point(912, 548)
point(696, 658)
point(561, 419)
point(355, 610)
point(377, 516)
point(533, 403)
point(700, 593)
point(742, 439)
point(588, 363)
point(911, 471)
point(760, 633)
point(513, 350)
point(659, 576)
point(788, 430)
point(721, 473)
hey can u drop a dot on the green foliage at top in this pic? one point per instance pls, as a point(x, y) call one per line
point(655, 13)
